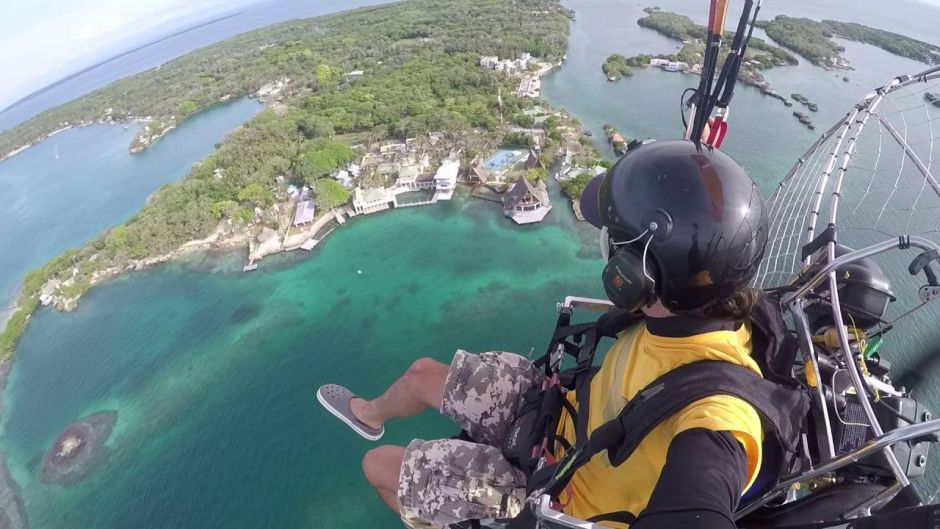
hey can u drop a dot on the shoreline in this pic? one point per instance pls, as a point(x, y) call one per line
point(140, 142)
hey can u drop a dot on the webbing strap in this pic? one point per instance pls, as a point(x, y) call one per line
point(675, 390)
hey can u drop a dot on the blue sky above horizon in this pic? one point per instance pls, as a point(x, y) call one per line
point(44, 41)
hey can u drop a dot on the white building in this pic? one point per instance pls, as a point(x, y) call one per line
point(489, 61)
point(343, 177)
point(445, 179)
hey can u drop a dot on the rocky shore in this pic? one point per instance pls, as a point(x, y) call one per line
point(79, 450)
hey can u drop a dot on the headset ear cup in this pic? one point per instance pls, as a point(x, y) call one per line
point(624, 281)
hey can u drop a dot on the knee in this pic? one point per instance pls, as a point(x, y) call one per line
point(378, 464)
point(422, 368)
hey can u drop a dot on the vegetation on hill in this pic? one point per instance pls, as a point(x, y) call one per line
point(759, 56)
point(681, 27)
point(420, 64)
point(813, 40)
point(309, 56)
point(616, 66)
point(886, 40)
point(619, 66)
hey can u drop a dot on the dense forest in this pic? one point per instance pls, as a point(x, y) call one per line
point(420, 72)
point(813, 40)
point(312, 54)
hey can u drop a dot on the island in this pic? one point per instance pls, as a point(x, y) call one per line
point(370, 109)
point(814, 40)
point(617, 66)
point(79, 450)
point(616, 140)
point(759, 56)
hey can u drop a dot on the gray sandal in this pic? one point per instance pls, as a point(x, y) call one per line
point(336, 399)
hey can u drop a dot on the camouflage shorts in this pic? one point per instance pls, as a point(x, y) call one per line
point(446, 481)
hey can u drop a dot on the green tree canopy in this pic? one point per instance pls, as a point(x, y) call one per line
point(321, 157)
point(330, 193)
point(256, 195)
point(536, 174)
point(574, 187)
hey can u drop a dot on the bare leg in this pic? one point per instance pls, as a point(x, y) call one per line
point(382, 466)
point(420, 388)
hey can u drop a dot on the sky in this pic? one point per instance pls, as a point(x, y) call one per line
point(46, 40)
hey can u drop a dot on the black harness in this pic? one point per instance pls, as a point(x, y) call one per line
point(782, 404)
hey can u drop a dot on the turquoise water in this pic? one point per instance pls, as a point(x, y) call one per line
point(213, 371)
point(68, 189)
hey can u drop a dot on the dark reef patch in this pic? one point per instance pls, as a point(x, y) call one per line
point(79, 450)
point(244, 313)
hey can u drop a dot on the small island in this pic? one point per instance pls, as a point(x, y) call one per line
point(759, 56)
point(814, 40)
point(800, 98)
point(79, 450)
point(932, 98)
point(616, 140)
point(617, 66)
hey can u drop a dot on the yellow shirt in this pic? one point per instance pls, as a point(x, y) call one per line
point(636, 359)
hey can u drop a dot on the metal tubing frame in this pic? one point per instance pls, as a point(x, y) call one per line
point(809, 353)
point(878, 444)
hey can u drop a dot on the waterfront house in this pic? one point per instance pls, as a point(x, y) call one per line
point(525, 202)
point(445, 179)
point(371, 200)
point(47, 293)
point(410, 174)
point(533, 161)
point(304, 213)
point(479, 174)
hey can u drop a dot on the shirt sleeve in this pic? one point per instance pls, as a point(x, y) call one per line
point(724, 413)
point(700, 485)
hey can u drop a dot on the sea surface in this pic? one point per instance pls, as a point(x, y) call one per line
point(68, 189)
point(213, 372)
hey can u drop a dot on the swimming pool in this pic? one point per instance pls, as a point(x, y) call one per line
point(504, 158)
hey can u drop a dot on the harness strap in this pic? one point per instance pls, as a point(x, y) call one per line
point(670, 393)
point(625, 517)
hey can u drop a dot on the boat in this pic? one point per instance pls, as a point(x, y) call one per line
point(673, 66)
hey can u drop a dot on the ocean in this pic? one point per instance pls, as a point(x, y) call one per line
point(213, 372)
point(66, 190)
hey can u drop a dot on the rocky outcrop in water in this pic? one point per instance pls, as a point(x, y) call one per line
point(79, 450)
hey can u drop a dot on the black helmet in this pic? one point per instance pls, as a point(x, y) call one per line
point(695, 212)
